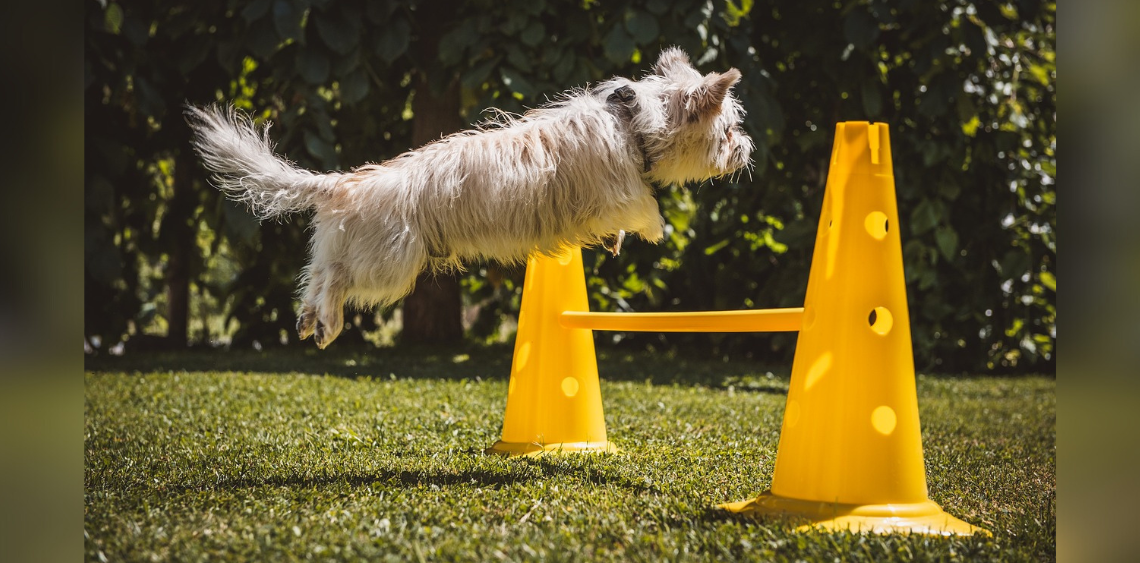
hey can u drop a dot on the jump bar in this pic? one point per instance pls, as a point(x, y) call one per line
point(760, 320)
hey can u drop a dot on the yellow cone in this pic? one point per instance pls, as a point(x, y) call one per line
point(850, 453)
point(554, 403)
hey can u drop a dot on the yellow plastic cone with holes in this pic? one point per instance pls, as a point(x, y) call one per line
point(850, 453)
point(554, 402)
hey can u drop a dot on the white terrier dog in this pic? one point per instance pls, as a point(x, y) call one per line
point(579, 171)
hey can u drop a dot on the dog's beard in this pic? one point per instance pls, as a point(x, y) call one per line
point(577, 172)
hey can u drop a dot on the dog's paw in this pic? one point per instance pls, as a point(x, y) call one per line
point(655, 233)
point(321, 336)
point(324, 333)
point(306, 323)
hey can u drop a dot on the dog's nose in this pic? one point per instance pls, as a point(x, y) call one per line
point(625, 94)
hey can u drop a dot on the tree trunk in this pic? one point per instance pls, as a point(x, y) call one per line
point(433, 312)
point(179, 239)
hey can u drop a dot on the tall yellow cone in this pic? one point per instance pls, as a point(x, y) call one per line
point(850, 453)
point(554, 403)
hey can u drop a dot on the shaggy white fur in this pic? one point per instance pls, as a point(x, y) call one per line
point(577, 172)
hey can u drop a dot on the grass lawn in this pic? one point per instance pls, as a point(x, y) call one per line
point(346, 455)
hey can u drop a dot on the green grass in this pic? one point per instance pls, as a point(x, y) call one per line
point(378, 455)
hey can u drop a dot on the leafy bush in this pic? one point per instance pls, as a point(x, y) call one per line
point(967, 89)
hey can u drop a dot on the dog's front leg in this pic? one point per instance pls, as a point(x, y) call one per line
point(642, 218)
point(655, 233)
point(650, 225)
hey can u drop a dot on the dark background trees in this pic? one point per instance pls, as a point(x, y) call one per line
point(968, 90)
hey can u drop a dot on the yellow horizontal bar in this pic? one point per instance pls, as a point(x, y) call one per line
point(760, 320)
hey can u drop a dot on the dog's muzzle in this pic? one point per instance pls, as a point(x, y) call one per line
point(624, 95)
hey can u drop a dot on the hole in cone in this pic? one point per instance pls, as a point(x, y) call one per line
point(883, 419)
point(880, 320)
point(570, 386)
point(877, 224)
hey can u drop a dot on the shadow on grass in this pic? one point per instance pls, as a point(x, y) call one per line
point(389, 477)
point(438, 362)
point(528, 470)
point(458, 362)
point(583, 470)
point(717, 515)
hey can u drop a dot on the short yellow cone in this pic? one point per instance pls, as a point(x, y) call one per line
point(850, 453)
point(554, 402)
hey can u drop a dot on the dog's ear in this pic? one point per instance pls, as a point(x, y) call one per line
point(705, 100)
point(674, 63)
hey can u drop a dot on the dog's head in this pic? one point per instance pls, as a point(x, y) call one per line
point(689, 124)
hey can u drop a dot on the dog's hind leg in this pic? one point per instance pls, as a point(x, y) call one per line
point(334, 285)
point(307, 316)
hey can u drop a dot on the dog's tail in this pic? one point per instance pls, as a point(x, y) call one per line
point(241, 157)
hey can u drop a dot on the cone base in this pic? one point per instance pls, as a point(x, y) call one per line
point(513, 449)
point(919, 518)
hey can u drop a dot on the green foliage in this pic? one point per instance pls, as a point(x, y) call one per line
point(267, 466)
point(969, 94)
point(967, 89)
